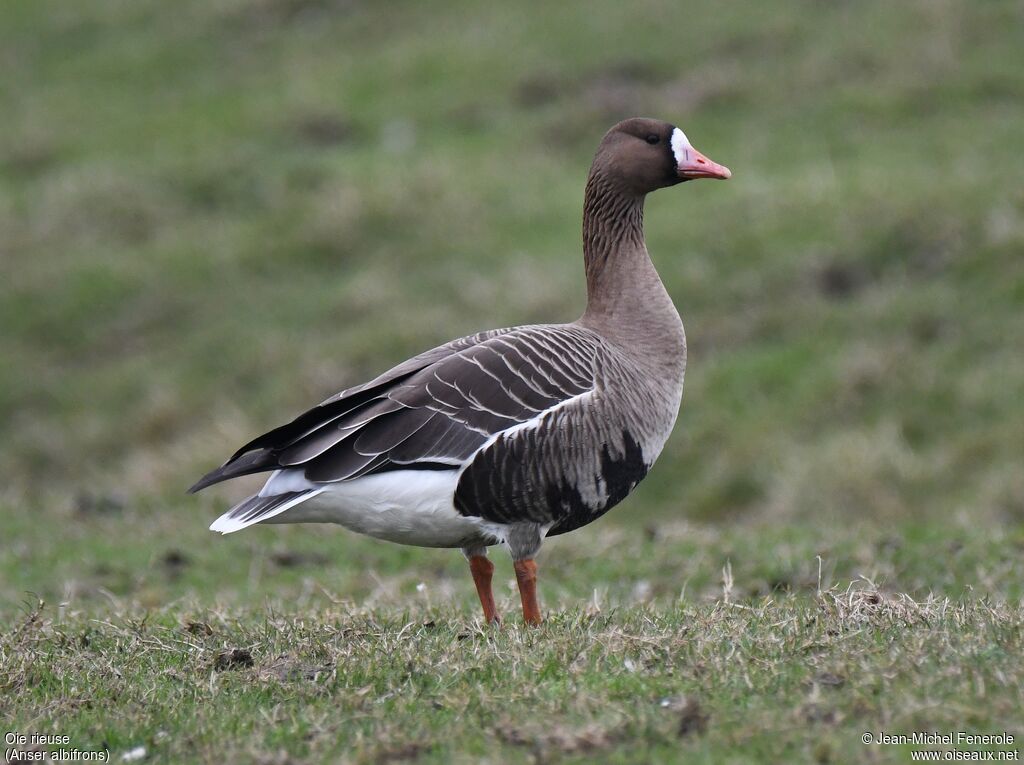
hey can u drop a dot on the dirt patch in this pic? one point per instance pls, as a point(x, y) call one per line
point(839, 281)
point(200, 629)
point(234, 658)
point(174, 563)
point(324, 130)
point(89, 504)
point(693, 717)
point(293, 559)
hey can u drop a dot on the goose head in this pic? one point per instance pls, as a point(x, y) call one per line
point(641, 155)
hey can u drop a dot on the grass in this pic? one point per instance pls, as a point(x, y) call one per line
point(213, 214)
point(671, 643)
point(670, 658)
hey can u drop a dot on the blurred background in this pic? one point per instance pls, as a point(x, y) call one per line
point(216, 213)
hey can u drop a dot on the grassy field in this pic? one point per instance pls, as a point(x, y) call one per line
point(214, 214)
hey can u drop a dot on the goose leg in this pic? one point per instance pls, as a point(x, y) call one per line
point(482, 570)
point(526, 576)
point(524, 541)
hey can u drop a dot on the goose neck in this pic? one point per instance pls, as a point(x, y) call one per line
point(613, 227)
point(623, 288)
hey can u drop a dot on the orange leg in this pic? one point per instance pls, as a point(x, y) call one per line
point(526, 575)
point(482, 570)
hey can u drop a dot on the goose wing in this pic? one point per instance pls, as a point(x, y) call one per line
point(433, 412)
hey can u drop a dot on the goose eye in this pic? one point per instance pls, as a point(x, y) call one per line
point(652, 139)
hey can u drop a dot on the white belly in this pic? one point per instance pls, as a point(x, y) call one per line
point(412, 507)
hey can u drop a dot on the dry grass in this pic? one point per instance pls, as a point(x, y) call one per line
point(793, 677)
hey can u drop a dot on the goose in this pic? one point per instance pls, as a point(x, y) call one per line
point(508, 436)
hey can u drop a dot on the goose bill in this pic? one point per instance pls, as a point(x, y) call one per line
point(695, 165)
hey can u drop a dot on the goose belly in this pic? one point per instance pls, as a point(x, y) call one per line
point(412, 507)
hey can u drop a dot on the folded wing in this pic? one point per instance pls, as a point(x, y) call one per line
point(433, 412)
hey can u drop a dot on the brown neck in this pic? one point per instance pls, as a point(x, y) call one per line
point(613, 224)
point(625, 297)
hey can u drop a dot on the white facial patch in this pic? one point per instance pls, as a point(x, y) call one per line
point(680, 143)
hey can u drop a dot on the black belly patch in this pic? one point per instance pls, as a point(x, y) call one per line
point(620, 476)
point(503, 487)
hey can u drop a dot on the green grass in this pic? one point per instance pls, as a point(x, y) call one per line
point(677, 642)
point(214, 214)
point(688, 644)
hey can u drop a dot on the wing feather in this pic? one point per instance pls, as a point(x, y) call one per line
point(318, 442)
point(388, 432)
point(434, 411)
